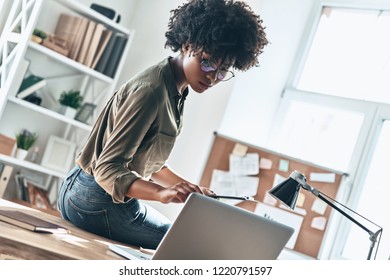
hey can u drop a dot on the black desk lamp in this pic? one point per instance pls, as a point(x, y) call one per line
point(288, 191)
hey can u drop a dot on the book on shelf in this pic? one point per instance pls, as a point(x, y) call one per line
point(75, 48)
point(105, 56)
point(5, 175)
point(30, 222)
point(94, 44)
point(86, 41)
point(21, 188)
point(67, 29)
point(30, 85)
point(107, 33)
point(116, 54)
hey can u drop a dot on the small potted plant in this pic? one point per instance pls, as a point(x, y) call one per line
point(24, 141)
point(70, 101)
point(38, 36)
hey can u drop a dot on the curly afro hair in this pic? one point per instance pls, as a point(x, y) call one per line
point(226, 29)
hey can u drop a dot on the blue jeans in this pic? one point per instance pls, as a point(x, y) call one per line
point(88, 206)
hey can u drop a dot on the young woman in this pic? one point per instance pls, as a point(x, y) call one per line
point(124, 158)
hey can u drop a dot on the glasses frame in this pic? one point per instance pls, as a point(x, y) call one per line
point(207, 66)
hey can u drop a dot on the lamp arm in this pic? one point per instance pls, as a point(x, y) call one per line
point(373, 235)
point(320, 196)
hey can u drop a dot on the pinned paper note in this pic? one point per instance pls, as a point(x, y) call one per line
point(222, 182)
point(319, 206)
point(323, 177)
point(278, 179)
point(239, 149)
point(265, 163)
point(269, 199)
point(297, 210)
point(244, 165)
point(318, 223)
point(300, 211)
point(283, 165)
point(300, 200)
point(225, 183)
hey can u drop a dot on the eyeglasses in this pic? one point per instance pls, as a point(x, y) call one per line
point(207, 66)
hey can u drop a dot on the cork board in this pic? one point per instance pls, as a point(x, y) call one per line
point(309, 238)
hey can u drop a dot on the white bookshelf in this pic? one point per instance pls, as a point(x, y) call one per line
point(60, 71)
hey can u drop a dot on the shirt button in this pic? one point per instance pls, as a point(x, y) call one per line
point(177, 121)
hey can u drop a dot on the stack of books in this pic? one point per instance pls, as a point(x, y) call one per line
point(91, 43)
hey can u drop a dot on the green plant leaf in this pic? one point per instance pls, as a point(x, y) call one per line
point(25, 139)
point(71, 98)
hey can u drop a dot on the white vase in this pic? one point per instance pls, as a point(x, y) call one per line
point(21, 154)
point(68, 111)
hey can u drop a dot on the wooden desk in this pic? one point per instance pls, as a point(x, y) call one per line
point(19, 243)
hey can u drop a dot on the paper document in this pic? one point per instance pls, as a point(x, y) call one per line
point(265, 163)
point(239, 149)
point(319, 206)
point(225, 183)
point(283, 217)
point(323, 177)
point(318, 223)
point(283, 165)
point(244, 165)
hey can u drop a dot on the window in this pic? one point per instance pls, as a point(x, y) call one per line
point(373, 199)
point(322, 127)
point(350, 55)
point(331, 114)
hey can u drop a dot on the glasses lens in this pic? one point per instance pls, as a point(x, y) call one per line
point(225, 75)
point(222, 75)
point(207, 66)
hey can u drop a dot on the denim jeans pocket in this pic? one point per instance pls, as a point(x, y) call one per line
point(90, 220)
point(65, 186)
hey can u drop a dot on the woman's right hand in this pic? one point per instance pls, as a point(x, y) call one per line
point(178, 193)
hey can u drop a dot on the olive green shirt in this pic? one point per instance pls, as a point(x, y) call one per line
point(135, 132)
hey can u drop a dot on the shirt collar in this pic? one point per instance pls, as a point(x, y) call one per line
point(170, 81)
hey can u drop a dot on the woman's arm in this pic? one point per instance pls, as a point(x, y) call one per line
point(147, 190)
point(167, 178)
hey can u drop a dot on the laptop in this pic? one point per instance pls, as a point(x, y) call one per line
point(209, 229)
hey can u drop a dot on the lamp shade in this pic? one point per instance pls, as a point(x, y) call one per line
point(287, 191)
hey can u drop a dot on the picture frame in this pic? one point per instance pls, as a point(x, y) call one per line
point(59, 154)
point(85, 112)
